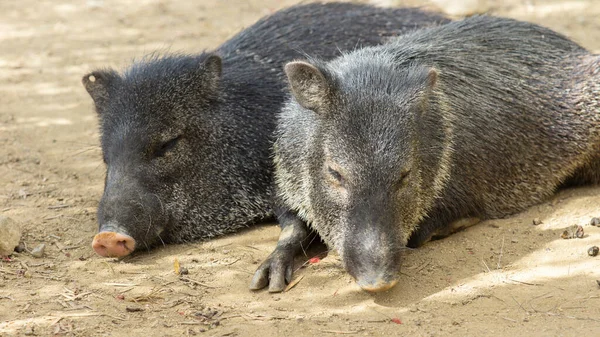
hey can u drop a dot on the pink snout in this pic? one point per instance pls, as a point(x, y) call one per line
point(112, 244)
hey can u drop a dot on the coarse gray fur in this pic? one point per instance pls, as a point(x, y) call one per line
point(386, 145)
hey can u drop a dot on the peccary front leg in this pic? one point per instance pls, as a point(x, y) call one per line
point(277, 269)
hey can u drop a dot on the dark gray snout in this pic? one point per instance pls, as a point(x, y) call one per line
point(135, 215)
point(372, 250)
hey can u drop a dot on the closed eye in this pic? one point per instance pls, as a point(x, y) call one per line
point(401, 182)
point(167, 146)
point(337, 176)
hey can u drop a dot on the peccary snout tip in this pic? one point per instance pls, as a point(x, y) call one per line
point(376, 284)
point(112, 244)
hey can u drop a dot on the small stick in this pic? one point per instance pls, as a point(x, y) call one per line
point(293, 283)
point(514, 299)
point(340, 332)
point(121, 284)
point(377, 320)
point(423, 266)
point(230, 263)
point(70, 247)
point(58, 206)
point(527, 283)
point(486, 266)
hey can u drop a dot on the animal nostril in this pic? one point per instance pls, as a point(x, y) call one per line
point(113, 244)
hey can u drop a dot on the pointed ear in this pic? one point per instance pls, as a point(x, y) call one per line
point(211, 71)
point(99, 85)
point(426, 82)
point(432, 78)
point(309, 86)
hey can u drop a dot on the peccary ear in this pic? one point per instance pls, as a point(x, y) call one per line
point(99, 85)
point(426, 82)
point(432, 78)
point(309, 86)
point(212, 68)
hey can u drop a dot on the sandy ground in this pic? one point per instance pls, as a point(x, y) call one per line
point(499, 278)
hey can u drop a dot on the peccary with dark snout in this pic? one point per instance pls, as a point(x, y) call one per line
point(187, 138)
point(383, 147)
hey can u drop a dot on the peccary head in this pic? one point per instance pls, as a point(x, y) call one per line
point(371, 172)
point(167, 144)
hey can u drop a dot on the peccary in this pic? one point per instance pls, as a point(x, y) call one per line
point(187, 138)
point(384, 146)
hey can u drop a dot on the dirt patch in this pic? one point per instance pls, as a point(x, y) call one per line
point(501, 277)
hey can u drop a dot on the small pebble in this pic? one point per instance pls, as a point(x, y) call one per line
point(593, 251)
point(537, 221)
point(183, 271)
point(39, 250)
point(10, 235)
point(572, 232)
point(595, 222)
point(20, 248)
point(579, 232)
point(133, 309)
point(514, 240)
